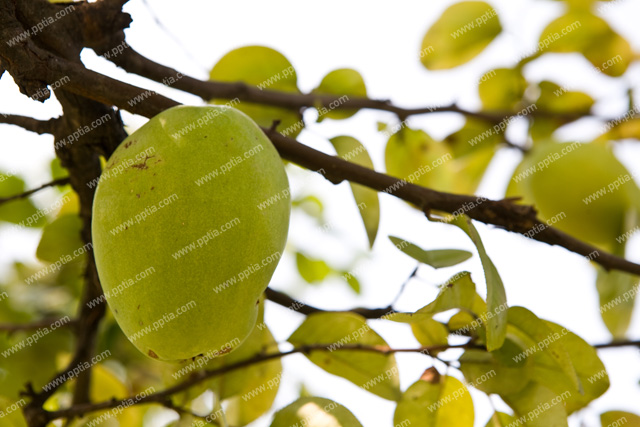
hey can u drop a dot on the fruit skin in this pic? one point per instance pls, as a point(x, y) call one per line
point(150, 166)
point(566, 175)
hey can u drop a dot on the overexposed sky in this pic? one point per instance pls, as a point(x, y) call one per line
point(381, 40)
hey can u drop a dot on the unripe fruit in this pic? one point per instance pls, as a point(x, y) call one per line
point(582, 189)
point(184, 241)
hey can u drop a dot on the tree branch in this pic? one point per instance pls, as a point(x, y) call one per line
point(59, 181)
point(504, 214)
point(285, 300)
point(40, 127)
point(44, 323)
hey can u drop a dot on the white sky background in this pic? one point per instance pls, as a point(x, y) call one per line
point(382, 41)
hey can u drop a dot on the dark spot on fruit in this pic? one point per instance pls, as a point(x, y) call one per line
point(257, 302)
point(138, 307)
point(116, 311)
point(153, 354)
point(143, 165)
point(140, 323)
point(225, 351)
point(128, 144)
point(138, 196)
point(205, 136)
point(153, 187)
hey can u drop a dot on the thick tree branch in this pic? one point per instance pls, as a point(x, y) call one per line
point(40, 127)
point(504, 214)
point(59, 181)
point(285, 300)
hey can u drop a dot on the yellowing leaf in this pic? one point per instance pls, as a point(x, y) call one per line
point(435, 258)
point(344, 81)
point(350, 149)
point(312, 270)
point(502, 89)
point(581, 31)
point(460, 34)
point(619, 418)
point(430, 333)
point(436, 402)
point(376, 373)
point(266, 69)
point(500, 419)
point(315, 412)
point(557, 99)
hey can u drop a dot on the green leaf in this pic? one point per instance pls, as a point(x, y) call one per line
point(312, 270)
point(459, 35)
point(19, 211)
point(616, 290)
point(458, 292)
point(498, 371)
point(590, 369)
point(344, 81)
point(474, 135)
point(581, 31)
point(619, 418)
point(352, 281)
point(536, 399)
point(436, 258)
point(266, 69)
point(502, 89)
point(496, 295)
point(311, 205)
point(560, 100)
point(414, 156)
point(315, 412)
point(57, 171)
point(435, 401)
point(376, 373)
point(500, 419)
point(350, 149)
point(430, 333)
point(541, 338)
point(61, 240)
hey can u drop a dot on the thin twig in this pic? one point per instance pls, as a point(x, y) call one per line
point(40, 127)
point(59, 181)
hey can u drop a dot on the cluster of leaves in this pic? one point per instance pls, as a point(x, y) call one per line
point(508, 351)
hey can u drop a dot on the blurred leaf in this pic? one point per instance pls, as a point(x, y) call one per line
point(473, 136)
point(500, 419)
point(344, 81)
point(61, 239)
point(267, 69)
point(352, 281)
point(312, 270)
point(497, 372)
point(533, 398)
point(435, 402)
point(350, 149)
point(315, 412)
point(10, 410)
point(496, 295)
point(463, 31)
point(57, 171)
point(311, 205)
point(414, 156)
point(376, 373)
point(557, 99)
point(17, 211)
point(430, 333)
point(581, 31)
point(619, 418)
point(617, 292)
point(435, 258)
point(502, 89)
